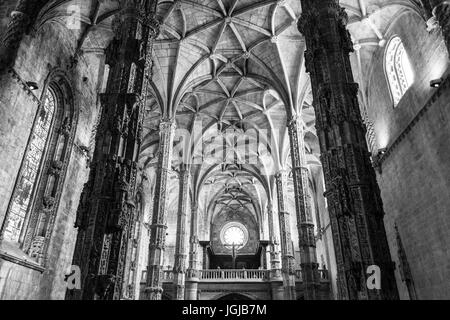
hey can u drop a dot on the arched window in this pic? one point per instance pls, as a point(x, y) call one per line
point(33, 205)
point(398, 69)
point(22, 199)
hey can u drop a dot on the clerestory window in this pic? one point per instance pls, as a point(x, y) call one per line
point(23, 195)
point(398, 69)
point(33, 207)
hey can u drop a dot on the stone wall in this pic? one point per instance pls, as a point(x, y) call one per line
point(52, 47)
point(245, 219)
point(415, 175)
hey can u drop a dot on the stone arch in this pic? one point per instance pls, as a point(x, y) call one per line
point(50, 168)
point(234, 296)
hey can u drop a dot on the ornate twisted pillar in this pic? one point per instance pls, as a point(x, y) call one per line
point(179, 269)
point(22, 19)
point(287, 251)
point(305, 225)
point(441, 11)
point(353, 195)
point(160, 207)
point(107, 205)
point(193, 273)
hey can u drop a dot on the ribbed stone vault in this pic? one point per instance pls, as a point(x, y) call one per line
point(236, 66)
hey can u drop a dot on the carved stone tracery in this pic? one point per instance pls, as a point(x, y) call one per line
point(106, 213)
point(354, 200)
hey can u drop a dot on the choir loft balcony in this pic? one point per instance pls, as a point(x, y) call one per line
point(255, 284)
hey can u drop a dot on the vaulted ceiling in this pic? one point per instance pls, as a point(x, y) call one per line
point(236, 67)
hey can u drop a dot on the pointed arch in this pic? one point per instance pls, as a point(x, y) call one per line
point(398, 69)
point(34, 203)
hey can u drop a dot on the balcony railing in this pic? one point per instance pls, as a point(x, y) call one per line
point(224, 275)
point(234, 275)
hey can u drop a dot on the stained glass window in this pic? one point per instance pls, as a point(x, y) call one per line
point(22, 198)
point(234, 236)
point(398, 69)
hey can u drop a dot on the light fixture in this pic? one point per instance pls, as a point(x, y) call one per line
point(382, 151)
point(377, 159)
point(436, 83)
point(32, 85)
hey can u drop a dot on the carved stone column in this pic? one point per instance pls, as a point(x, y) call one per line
point(355, 206)
point(441, 11)
point(160, 207)
point(305, 225)
point(22, 19)
point(205, 245)
point(263, 261)
point(179, 269)
point(192, 277)
point(107, 203)
point(274, 245)
point(287, 251)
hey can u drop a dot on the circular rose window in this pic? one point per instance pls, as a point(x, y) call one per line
point(234, 233)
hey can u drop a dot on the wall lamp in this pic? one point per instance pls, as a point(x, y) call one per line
point(32, 85)
point(382, 152)
point(436, 83)
point(377, 159)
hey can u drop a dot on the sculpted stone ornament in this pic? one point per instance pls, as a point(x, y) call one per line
point(153, 24)
point(55, 168)
point(107, 209)
point(48, 203)
point(356, 213)
point(20, 22)
point(66, 127)
point(441, 11)
point(36, 248)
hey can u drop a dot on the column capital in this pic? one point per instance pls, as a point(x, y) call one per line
point(153, 24)
point(284, 213)
point(184, 170)
point(282, 173)
point(294, 120)
point(167, 125)
point(264, 243)
point(205, 243)
point(295, 123)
